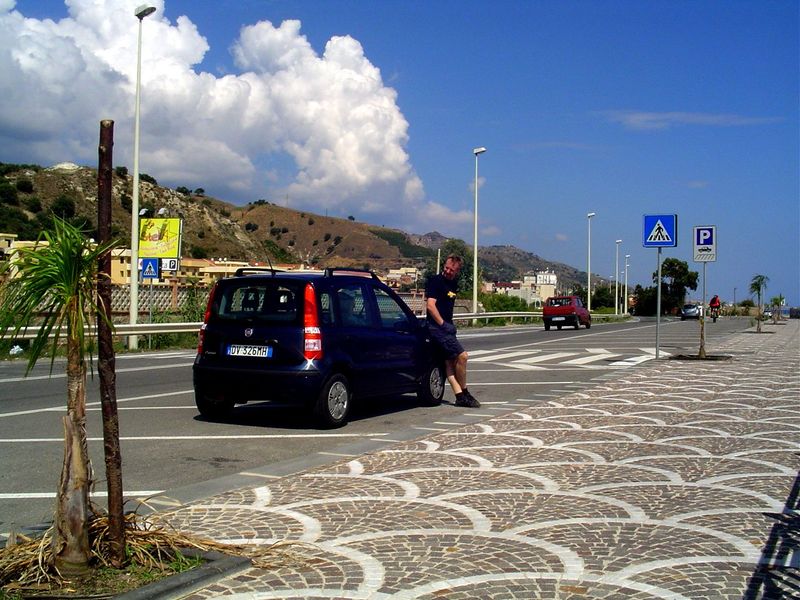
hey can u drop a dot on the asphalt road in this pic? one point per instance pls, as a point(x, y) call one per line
point(168, 449)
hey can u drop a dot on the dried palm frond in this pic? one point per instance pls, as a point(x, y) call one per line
point(150, 543)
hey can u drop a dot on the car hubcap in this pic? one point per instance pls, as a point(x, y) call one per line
point(337, 400)
point(436, 383)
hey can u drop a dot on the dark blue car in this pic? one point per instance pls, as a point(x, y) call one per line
point(319, 339)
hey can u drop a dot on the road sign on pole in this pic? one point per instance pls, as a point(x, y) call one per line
point(705, 243)
point(150, 268)
point(660, 231)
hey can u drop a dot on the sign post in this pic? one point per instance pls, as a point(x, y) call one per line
point(659, 231)
point(705, 251)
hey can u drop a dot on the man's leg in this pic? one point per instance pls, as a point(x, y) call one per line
point(461, 375)
point(451, 369)
point(460, 370)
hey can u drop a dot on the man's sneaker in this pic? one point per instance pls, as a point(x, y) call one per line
point(468, 400)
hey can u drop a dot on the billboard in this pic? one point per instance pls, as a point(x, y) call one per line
point(160, 238)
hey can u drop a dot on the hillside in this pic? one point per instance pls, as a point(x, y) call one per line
point(259, 231)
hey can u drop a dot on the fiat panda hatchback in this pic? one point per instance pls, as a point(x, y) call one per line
point(320, 339)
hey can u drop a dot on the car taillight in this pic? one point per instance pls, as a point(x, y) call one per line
point(202, 334)
point(312, 336)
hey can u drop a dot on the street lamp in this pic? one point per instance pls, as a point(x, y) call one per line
point(589, 265)
point(627, 256)
point(616, 279)
point(476, 152)
point(133, 343)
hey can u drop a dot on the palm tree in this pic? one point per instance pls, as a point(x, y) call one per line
point(53, 284)
point(776, 302)
point(757, 286)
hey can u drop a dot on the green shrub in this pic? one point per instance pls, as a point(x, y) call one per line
point(33, 204)
point(25, 186)
point(64, 207)
point(9, 194)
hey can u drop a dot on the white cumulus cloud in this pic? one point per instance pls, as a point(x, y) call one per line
point(320, 128)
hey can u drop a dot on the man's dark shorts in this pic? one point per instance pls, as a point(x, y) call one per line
point(446, 341)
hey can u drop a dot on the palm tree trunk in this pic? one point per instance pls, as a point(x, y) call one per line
point(71, 539)
point(106, 359)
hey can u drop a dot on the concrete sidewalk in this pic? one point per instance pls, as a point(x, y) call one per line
point(678, 479)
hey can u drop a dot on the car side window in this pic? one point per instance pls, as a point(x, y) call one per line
point(391, 313)
point(352, 308)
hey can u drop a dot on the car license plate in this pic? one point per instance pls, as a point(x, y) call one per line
point(558, 318)
point(255, 351)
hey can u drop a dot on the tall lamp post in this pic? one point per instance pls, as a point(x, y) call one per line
point(133, 342)
point(589, 265)
point(625, 300)
point(476, 152)
point(616, 279)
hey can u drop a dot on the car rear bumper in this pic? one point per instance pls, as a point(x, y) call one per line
point(296, 385)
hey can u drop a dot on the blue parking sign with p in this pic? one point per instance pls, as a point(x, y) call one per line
point(704, 236)
point(705, 243)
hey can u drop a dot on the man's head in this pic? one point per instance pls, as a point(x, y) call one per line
point(452, 266)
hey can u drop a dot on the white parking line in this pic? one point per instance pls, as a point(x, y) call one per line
point(201, 437)
point(47, 495)
point(89, 405)
point(63, 375)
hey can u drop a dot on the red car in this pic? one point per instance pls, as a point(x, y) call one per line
point(565, 310)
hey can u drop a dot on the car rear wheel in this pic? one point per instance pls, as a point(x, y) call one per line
point(577, 322)
point(333, 402)
point(588, 324)
point(431, 388)
point(214, 407)
point(547, 326)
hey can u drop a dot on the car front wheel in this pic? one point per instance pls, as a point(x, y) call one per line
point(333, 402)
point(215, 407)
point(431, 388)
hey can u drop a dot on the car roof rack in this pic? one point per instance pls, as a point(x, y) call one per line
point(256, 270)
point(332, 271)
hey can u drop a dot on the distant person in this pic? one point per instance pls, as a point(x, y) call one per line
point(714, 302)
point(440, 298)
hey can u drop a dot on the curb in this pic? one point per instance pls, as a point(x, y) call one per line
point(177, 586)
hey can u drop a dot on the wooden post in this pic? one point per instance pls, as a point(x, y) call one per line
point(106, 358)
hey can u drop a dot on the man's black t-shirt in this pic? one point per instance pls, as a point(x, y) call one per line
point(444, 290)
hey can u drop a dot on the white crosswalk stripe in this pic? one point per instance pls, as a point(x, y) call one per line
point(589, 358)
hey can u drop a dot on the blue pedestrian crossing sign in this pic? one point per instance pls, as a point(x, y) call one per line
point(660, 231)
point(150, 268)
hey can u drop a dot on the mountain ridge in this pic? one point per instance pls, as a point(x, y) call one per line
point(258, 231)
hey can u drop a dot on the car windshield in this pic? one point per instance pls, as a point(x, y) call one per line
point(272, 301)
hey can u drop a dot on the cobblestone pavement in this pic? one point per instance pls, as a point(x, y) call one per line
point(678, 479)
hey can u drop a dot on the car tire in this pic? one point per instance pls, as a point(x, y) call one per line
point(577, 322)
point(588, 324)
point(547, 326)
point(214, 407)
point(333, 403)
point(431, 387)
point(558, 327)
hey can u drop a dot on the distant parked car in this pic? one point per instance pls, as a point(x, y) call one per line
point(690, 311)
point(565, 310)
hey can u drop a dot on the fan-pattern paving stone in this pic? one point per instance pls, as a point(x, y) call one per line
point(668, 481)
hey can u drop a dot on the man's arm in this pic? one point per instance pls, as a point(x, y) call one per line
point(430, 306)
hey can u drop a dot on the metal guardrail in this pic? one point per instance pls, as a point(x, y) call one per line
point(126, 329)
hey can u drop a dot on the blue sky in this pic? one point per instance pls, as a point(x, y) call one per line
point(372, 109)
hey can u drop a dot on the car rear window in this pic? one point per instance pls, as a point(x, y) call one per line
point(270, 301)
point(559, 302)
